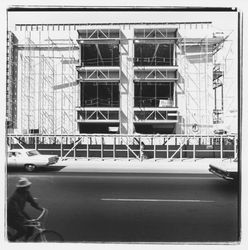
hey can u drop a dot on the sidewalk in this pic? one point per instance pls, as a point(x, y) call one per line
point(199, 166)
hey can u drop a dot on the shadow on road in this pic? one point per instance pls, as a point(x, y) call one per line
point(229, 187)
point(38, 170)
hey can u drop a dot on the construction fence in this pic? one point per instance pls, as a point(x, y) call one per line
point(129, 146)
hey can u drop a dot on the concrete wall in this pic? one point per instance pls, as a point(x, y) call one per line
point(126, 82)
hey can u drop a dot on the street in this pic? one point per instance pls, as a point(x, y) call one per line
point(112, 207)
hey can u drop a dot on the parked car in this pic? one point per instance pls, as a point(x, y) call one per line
point(226, 170)
point(29, 159)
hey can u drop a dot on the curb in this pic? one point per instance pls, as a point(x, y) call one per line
point(134, 166)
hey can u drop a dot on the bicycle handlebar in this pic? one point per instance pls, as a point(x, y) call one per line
point(44, 211)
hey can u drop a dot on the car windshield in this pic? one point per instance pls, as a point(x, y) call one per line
point(32, 153)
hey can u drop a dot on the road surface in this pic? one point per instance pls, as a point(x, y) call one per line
point(105, 207)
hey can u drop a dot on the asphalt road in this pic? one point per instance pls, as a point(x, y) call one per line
point(90, 207)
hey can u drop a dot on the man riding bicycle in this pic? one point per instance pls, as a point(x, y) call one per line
point(16, 216)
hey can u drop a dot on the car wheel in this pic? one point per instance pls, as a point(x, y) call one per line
point(29, 167)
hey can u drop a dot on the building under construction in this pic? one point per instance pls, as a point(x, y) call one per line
point(122, 78)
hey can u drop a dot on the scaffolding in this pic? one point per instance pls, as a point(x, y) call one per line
point(28, 99)
point(225, 92)
point(196, 60)
point(48, 85)
point(50, 74)
point(130, 147)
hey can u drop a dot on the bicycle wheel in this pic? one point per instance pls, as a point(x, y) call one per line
point(48, 236)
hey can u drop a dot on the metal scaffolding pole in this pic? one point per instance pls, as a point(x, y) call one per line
point(27, 86)
point(40, 91)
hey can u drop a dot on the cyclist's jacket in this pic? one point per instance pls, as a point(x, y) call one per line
point(16, 204)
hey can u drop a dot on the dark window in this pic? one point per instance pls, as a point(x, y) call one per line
point(89, 55)
point(153, 54)
point(88, 95)
point(153, 94)
point(102, 128)
point(105, 94)
point(100, 55)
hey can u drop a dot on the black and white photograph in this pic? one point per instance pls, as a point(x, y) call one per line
point(123, 125)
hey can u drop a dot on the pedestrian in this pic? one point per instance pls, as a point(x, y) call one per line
point(16, 216)
point(142, 147)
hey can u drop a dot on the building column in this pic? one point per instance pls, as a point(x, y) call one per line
point(126, 81)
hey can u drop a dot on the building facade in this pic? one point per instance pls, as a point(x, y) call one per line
point(124, 78)
point(146, 79)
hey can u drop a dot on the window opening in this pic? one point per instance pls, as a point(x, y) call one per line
point(150, 94)
point(100, 94)
point(100, 55)
point(153, 54)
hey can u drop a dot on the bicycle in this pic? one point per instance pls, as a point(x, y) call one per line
point(41, 234)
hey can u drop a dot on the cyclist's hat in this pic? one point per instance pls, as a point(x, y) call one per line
point(23, 182)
